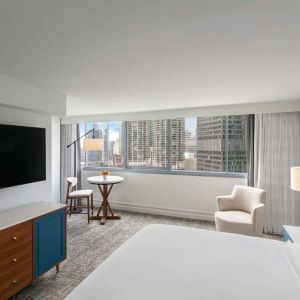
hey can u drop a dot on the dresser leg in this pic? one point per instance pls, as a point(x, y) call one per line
point(57, 268)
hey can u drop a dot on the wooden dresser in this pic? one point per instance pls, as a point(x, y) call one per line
point(32, 240)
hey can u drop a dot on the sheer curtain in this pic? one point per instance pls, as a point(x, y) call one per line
point(68, 133)
point(277, 149)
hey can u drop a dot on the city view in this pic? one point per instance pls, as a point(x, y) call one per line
point(209, 144)
point(110, 152)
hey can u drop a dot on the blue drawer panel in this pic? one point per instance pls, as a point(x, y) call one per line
point(286, 236)
point(49, 241)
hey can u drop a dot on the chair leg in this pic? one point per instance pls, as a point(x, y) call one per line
point(88, 207)
point(71, 205)
point(92, 204)
point(68, 208)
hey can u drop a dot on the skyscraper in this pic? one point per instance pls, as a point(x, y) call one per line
point(106, 145)
point(138, 144)
point(147, 143)
point(95, 157)
point(158, 143)
point(178, 143)
point(236, 135)
point(221, 144)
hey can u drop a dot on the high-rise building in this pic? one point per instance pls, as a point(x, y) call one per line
point(106, 146)
point(158, 143)
point(190, 144)
point(178, 143)
point(221, 144)
point(111, 135)
point(117, 147)
point(147, 143)
point(95, 157)
point(138, 144)
point(236, 137)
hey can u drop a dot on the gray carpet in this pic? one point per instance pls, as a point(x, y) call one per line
point(89, 245)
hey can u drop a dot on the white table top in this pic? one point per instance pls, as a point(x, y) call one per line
point(20, 214)
point(109, 179)
point(293, 232)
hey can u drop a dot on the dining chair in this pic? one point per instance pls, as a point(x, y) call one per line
point(73, 195)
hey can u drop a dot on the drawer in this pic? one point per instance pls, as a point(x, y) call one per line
point(21, 256)
point(15, 281)
point(15, 236)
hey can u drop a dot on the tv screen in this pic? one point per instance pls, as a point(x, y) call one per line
point(22, 155)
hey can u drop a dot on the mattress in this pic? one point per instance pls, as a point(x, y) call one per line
point(172, 262)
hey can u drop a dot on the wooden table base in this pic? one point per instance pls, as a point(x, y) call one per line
point(103, 219)
point(105, 207)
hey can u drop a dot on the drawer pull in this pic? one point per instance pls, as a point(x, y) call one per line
point(14, 238)
point(14, 282)
point(14, 260)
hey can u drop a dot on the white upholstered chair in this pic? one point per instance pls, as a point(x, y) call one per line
point(74, 195)
point(241, 212)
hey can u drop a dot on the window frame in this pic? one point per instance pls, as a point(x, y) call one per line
point(168, 170)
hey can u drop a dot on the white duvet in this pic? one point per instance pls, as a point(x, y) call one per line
point(171, 262)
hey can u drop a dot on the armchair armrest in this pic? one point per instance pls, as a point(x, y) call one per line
point(224, 202)
point(258, 219)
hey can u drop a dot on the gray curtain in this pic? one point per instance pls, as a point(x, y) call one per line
point(277, 149)
point(250, 148)
point(68, 133)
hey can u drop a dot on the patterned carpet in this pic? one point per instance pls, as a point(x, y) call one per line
point(89, 245)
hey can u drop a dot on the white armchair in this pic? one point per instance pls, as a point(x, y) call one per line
point(241, 212)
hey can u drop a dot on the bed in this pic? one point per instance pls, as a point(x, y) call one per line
point(172, 262)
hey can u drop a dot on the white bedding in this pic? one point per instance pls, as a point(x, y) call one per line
point(171, 262)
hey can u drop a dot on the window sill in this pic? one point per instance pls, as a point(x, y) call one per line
point(167, 172)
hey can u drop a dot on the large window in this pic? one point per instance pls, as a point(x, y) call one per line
point(209, 144)
point(184, 144)
point(200, 144)
point(110, 152)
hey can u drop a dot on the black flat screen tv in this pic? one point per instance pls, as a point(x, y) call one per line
point(22, 155)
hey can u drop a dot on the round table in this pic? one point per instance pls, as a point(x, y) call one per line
point(103, 182)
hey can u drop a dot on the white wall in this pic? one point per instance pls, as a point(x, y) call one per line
point(174, 195)
point(17, 93)
point(25, 104)
point(33, 192)
point(55, 158)
point(236, 109)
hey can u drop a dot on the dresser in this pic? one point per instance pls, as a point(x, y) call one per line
point(32, 241)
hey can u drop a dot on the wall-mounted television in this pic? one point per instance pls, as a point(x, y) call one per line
point(22, 155)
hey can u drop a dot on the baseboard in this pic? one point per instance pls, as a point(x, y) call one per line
point(161, 211)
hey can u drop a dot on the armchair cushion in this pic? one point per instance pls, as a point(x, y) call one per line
point(234, 221)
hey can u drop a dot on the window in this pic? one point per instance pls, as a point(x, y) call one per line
point(209, 144)
point(221, 144)
point(184, 144)
point(147, 144)
point(198, 144)
point(110, 153)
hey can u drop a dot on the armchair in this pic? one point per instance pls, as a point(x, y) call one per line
point(241, 212)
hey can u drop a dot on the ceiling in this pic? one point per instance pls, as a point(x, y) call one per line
point(138, 55)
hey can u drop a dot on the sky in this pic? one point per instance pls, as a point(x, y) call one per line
point(114, 128)
point(190, 125)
